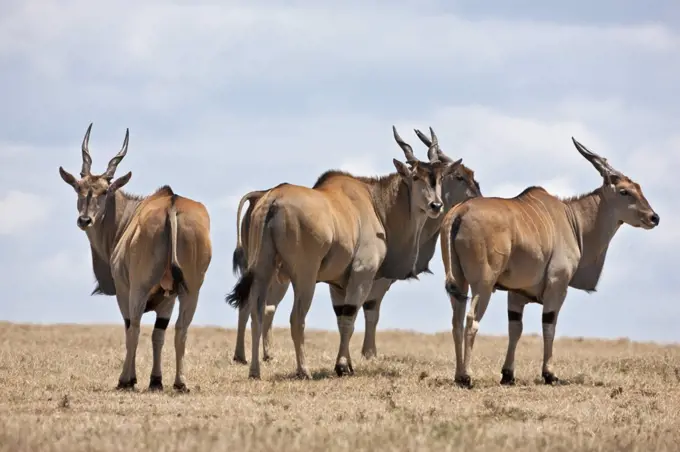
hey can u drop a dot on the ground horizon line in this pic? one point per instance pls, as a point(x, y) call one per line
point(358, 331)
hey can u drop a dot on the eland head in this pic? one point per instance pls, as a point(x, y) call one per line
point(93, 190)
point(621, 193)
point(425, 178)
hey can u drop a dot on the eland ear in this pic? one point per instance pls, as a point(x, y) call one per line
point(68, 178)
point(452, 167)
point(403, 170)
point(120, 182)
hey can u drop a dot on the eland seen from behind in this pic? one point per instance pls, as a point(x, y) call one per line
point(456, 187)
point(346, 231)
point(147, 251)
point(534, 246)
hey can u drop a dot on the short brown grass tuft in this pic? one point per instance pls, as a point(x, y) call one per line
point(58, 393)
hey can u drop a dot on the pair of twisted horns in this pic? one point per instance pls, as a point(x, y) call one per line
point(113, 163)
point(434, 152)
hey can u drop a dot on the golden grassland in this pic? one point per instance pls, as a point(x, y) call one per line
point(57, 393)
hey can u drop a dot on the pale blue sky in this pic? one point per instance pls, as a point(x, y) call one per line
point(224, 97)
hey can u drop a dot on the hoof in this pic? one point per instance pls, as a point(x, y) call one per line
point(126, 385)
point(254, 375)
point(549, 378)
point(156, 384)
point(508, 377)
point(303, 375)
point(181, 388)
point(240, 360)
point(464, 381)
point(344, 370)
point(369, 354)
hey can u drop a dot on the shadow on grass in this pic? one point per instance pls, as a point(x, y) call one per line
point(325, 374)
point(378, 371)
point(409, 360)
point(317, 375)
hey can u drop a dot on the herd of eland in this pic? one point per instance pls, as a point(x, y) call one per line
point(359, 235)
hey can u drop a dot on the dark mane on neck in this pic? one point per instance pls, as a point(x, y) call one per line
point(565, 199)
point(384, 180)
point(570, 199)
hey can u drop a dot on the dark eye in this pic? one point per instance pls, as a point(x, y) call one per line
point(624, 192)
point(459, 177)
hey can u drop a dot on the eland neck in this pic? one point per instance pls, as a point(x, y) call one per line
point(595, 223)
point(403, 224)
point(104, 235)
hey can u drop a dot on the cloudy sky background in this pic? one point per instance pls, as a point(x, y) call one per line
point(225, 97)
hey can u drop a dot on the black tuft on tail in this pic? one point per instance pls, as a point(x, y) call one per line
point(239, 261)
point(238, 297)
point(453, 291)
point(178, 280)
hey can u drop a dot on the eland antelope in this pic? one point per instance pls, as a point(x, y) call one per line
point(147, 251)
point(346, 231)
point(534, 246)
point(456, 187)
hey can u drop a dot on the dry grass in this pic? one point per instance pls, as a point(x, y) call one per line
point(58, 394)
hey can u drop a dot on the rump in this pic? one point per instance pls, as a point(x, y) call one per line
point(194, 246)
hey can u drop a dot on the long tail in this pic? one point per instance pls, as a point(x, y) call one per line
point(239, 260)
point(176, 270)
point(454, 272)
point(261, 257)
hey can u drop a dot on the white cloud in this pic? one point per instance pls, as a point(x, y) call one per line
point(226, 97)
point(559, 187)
point(20, 212)
point(195, 47)
point(230, 202)
point(67, 268)
point(361, 166)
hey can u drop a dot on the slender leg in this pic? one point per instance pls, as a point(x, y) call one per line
point(553, 298)
point(549, 321)
point(458, 304)
point(304, 293)
point(480, 301)
point(163, 314)
point(516, 305)
point(276, 293)
point(372, 315)
point(240, 350)
point(123, 297)
point(187, 308)
point(137, 303)
point(358, 288)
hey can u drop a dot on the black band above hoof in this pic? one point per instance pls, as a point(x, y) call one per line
point(507, 377)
